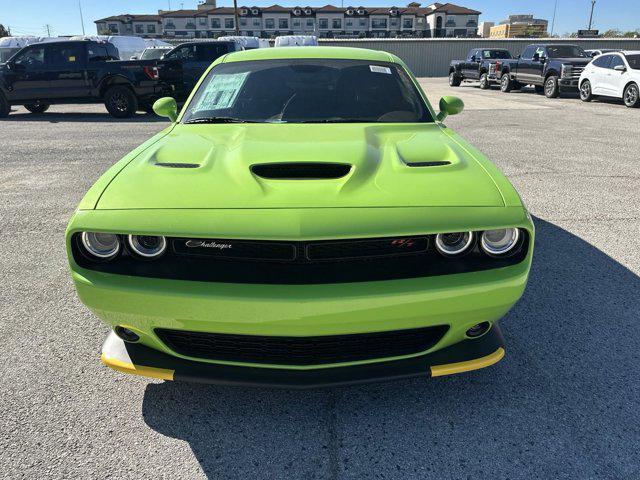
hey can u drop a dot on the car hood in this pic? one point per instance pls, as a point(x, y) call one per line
point(227, 165)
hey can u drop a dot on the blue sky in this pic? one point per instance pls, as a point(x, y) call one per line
point(31, 16)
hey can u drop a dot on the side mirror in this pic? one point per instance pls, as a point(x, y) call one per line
point(473, 58)
point(449, 106)
point(536, 57)
point(166, 107)
point(620, 68)
point(134, 57)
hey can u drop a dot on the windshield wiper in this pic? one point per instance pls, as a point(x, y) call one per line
point(219, 120)
point(338, 120)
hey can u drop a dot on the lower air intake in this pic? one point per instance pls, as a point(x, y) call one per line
point(301, 350)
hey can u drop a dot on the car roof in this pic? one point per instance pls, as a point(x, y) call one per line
point(630, 52)
point(277, 53)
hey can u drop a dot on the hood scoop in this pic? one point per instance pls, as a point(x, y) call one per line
point(301, 170)
point(176, 165)
point(438, 163)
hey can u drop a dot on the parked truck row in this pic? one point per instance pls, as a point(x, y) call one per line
point(553, 69)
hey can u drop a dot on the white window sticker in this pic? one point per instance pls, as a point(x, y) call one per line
point(222, 91)
point(379, 69)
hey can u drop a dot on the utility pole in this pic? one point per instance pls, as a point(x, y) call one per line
point(47, 26)
point(235, 14)
point(81, 19)
point(593, 4)
point(553, 22)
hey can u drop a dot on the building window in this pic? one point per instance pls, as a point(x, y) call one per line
point(407, 23)
point(323, 23)
point(348, 22)
point(363, 22)
point(113, 28)
point(191, 25)
point(228, 23)
point(151, 29)
point(283, 23)
point(378, 23)
point(256, 22)
point(243, 22)
point(139, 28)
point(393, 22)
point(309, 22)
point(296, 23)
point(336, 23)
point(215, 23)
point(270, 23)
point(202, 21)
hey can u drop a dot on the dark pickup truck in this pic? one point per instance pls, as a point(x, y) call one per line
point(479, 65)
point(78, 71)
point(550, 68)
point(183, 66)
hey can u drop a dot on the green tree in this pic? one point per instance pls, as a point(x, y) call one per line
point(613, 33)
point(3, 31)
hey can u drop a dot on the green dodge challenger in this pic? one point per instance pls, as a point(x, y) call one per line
point(306, 219)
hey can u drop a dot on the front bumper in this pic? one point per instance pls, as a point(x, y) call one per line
point(138, 359)
point(569, 83)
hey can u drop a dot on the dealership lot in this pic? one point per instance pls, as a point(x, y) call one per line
point(562, 404)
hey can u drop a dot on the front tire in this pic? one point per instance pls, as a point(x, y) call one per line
point(5, 108)
point(484, 82)
point(551, 87)
point(631, 96)
point(454, 80)
point(120, 102)
point(506, 85)
point(37, 107)
point(586, 94)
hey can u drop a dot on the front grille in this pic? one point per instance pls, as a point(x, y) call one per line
point(301, 350)
point(299, 262)
point(576, 71)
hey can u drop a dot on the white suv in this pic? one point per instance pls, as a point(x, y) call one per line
point(612, 75)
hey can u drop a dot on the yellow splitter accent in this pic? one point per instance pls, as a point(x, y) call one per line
point(126, 367)
point(459, 367)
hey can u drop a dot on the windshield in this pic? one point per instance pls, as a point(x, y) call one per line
point(634, 61)
point(496, 54)
point(566, 51)
point(7, 53)
point(153, 53)
point(307, 91)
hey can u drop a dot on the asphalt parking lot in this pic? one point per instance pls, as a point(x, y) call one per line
point(562, 404)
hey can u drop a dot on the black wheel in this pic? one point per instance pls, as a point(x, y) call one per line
point(551, 87)
point(37, 107)
point(505, 83)
point(120, 102)
point(5, 108)
point(585, 91)
point(454, 80)
point(539, 89)
point(484, 82)
point(631, 96)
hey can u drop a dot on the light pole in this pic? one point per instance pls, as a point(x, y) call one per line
point(553, 22)
point(235, 14)
point(593, 4)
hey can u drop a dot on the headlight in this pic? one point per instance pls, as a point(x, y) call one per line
point(101, 245)
point(148, 246)
point(453, 243)
point(565, 71)
point(500, 242)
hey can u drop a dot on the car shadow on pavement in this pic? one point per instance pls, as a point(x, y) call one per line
point(562, 404)
point(83, 117)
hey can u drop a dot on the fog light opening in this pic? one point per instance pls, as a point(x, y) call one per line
point(478, 330)
point(127, 335)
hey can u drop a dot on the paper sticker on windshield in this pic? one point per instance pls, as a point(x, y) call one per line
point(379, 69)
point(221, 91)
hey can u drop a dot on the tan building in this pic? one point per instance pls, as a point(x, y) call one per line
point(520, 26)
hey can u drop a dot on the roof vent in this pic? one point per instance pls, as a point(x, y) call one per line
point(301, 170)
point(176, 165)
point(438, 163)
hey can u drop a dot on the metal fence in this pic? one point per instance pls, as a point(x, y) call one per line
point(431, 57)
